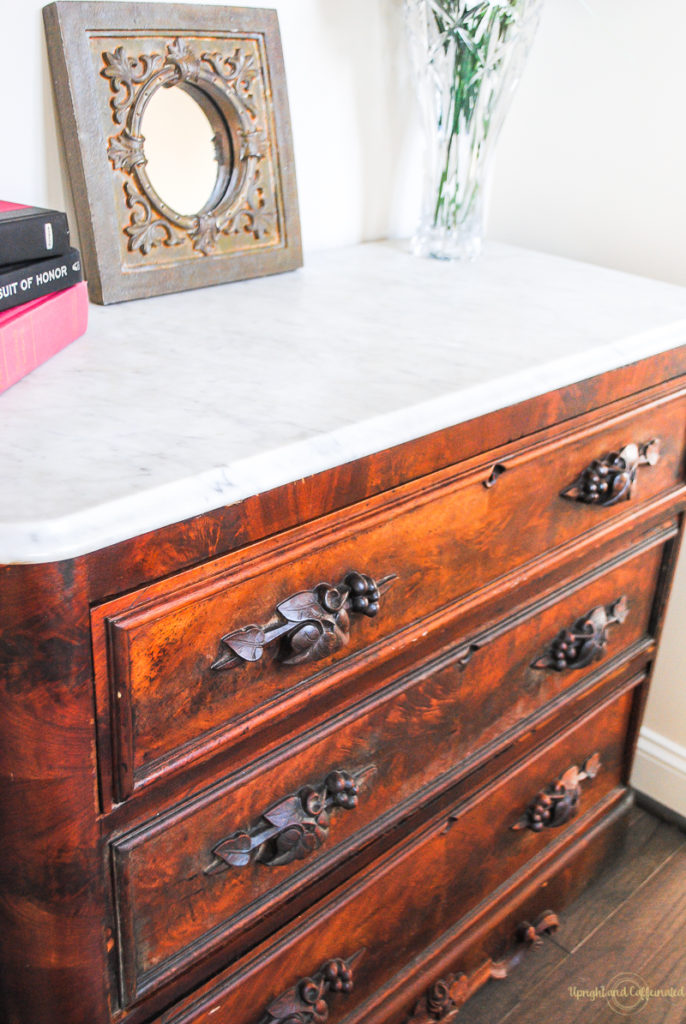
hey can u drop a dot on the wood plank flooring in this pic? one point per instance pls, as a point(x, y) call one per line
point(628, 929)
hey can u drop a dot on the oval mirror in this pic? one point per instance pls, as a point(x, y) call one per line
point(179, 150)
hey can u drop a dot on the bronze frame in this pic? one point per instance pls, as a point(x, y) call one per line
point(107, 61)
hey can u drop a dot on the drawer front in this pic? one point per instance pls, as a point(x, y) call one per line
point(236, 852)
point(393, 912)
point(169, 686)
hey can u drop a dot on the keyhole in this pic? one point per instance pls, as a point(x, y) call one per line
point(496, 472)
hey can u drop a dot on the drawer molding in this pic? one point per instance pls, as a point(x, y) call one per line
point(445, 998)
point(311, 624)
point(611, 479)
point(558, 802)
point(293, 828)
point(584, 642)
point(306, 1002)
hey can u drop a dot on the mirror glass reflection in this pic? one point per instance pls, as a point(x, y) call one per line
point(179, 149)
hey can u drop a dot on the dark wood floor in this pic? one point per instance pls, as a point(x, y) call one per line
point(630, 922)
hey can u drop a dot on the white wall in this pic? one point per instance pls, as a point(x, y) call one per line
point(592, 160)
point(592, 164)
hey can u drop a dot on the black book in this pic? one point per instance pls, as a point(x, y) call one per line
point(22, 282)
point(30, 233)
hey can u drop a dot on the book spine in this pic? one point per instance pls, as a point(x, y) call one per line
point(32, 280)
point(32, 337)
point(37, 236)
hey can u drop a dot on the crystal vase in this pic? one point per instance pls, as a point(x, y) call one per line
point(468, 56)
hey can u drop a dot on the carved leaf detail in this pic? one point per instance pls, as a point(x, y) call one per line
point(629, 454)
point(286, 812)
point(597, 620)
point(126, 72)
point(620, 609)
point(144, 232)
point(126, 151)
point(253, 144)
point(178, 50)
point(307, 1001)
point(288, 1007)
point(236, 850)
point(248, 643)
point(585, 641)
point(243, 70)
point(246, 214)
point(592, 766)
point(556, 804)
point(302, 607)
point(117, 65)
point(313, 623)
point(295, 826)
point(205, 234)
point(183, 59)
point(238, 70)
point(569, 780)
point(147, 235)
point(256, 218)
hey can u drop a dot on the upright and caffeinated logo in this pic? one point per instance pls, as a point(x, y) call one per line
point(627, 993)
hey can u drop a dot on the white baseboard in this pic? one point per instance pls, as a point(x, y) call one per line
point(660, 770)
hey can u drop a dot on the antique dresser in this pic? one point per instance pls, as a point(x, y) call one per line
point(328, 614)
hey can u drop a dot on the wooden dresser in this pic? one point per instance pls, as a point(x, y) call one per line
point(333, 729)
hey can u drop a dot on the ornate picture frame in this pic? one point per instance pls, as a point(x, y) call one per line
point(108, 60)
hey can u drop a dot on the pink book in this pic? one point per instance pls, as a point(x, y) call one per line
point(30, 334)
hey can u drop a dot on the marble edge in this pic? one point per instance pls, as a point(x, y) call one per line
point(100, 526)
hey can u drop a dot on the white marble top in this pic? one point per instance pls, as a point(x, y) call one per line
point(173, 406)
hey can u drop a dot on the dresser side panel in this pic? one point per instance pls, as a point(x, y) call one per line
point(53, 937)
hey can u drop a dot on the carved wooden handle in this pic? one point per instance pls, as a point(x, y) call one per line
point(295, 827)
point(611, 479)
point(447, 996)
point(311, 624)
point(559, 801)
point(306, 1002)
point(585, 641)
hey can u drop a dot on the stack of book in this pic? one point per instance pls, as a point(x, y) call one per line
point(43, 298)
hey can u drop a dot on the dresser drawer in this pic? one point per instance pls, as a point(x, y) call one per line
point(392, 912)
point(251, 842)
point(170, 689)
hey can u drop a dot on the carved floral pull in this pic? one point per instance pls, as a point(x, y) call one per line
point(295, 827)
point(558, 802)
point(585, 641)
point(307, 1002)
point(447, 996)
point(611, 479)
point(310, 625)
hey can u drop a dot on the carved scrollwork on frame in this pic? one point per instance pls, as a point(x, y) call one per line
point(585, 641)
point(611, 479)
point(308, 1001)
point(309, 625)
point(210, 195)
point(444, 1000)
point(558, 803)
point(229, 88)
point(293, 828)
